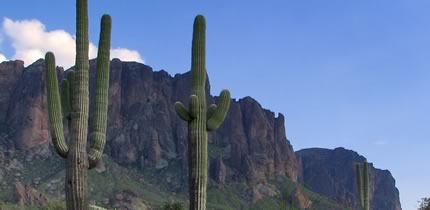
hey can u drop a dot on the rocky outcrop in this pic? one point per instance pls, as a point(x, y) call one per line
point(302, 201)
point(144, 130)
point(25, 118)
point(127, 200)
point(26, 195)
point(259, 147)
point(218, 171)
point(332, 173)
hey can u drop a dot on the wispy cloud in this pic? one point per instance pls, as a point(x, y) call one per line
point(31, 41)
point(380, 142)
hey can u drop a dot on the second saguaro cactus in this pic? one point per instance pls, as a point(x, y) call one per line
point(200, 119)
point(363, 185)
point(74, 106)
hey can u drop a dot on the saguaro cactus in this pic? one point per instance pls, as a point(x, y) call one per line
point(200, 120)
point(363, 185)
point(74, 107)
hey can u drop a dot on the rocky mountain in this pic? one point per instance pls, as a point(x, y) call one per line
point(144, 132)
point(332, 173)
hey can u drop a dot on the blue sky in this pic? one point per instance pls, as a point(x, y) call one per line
point(354, 74)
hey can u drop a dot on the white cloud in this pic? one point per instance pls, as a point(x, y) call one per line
point(126, 54)
point(31, 41)
point(2, 58)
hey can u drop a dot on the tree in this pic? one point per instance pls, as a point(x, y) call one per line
point(425, 204)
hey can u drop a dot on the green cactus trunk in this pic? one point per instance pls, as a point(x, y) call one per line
point(200, 120)
point(74, 107)
point(366, 186)
point(363, 185)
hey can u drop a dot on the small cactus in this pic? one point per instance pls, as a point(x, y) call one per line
point(200, 120)
point(363, 185)
point(74, 105)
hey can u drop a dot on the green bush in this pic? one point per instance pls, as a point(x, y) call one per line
point(173, 206)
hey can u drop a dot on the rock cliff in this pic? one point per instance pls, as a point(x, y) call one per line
point(332, 173)
point(143, 131)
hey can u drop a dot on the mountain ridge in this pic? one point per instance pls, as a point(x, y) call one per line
point(143, 131)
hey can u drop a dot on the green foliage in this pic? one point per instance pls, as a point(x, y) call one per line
point(200, 118)
point(424, 204)
point(284, 204)
point(286, 199)
point(55, 205)
point(74, 107)
point(173, 206)
point(226, 198)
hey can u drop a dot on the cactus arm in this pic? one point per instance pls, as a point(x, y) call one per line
point(366, 185)
point(98, 134)
point(359, 185)
point(193, 109)
point(182, 111)
point(211, 110)
point(70, 79)
point(54, 107)
point(65, 98)
point(218, 115)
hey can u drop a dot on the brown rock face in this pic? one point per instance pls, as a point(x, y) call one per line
point(24, 195)
point(26, 116)
point(145, 131)
point(10, 74)
point(259, 147)
point(127, 200)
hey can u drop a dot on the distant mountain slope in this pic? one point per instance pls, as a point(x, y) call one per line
point(144, 133)
point(332, 173)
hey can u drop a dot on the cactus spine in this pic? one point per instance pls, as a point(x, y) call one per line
point(200, 120)
point(74, 107)
point(363, 185)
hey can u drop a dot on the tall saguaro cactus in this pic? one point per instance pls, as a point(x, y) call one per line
point(74, 106)
point(363, 185)
point(200, 120)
